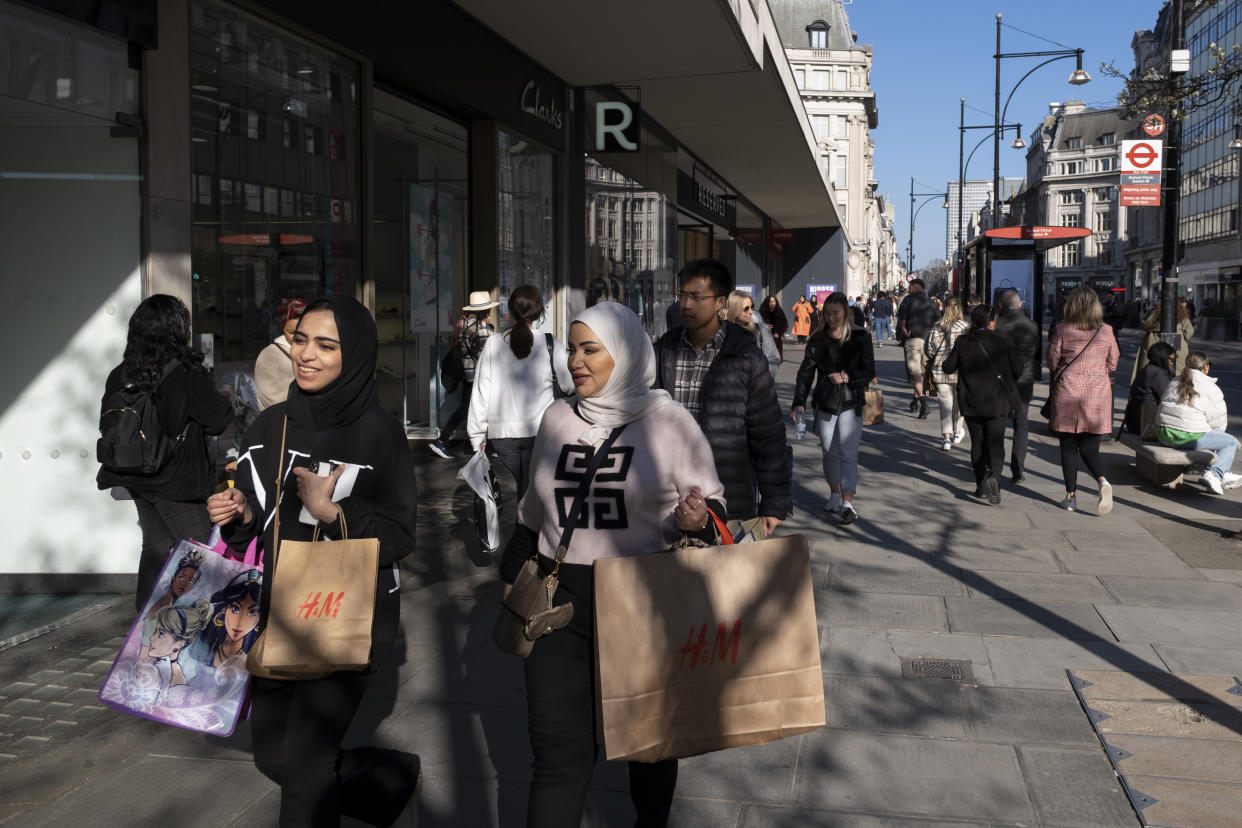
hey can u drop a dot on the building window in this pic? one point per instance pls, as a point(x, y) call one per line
point(800, 78)
point(820, 79)
point(1073, 143)
point(818, 32)
point(842, 178)
point(1105, 164)
point(1103, 222)
point(1071, 167)
point(1108, 139)
point(1104, 257)
point(843, 79)
point(1071, 196)
point(1105, 193)
point(1069, 220)
point(1070, 256)
point(841, 127)
point(821, 125)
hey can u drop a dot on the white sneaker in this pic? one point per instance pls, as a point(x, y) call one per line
point(848, 515)
point(1231, 480)
point(947, 444)
point(1213, 481)
point(959, 436)
point(1106, 499)
point(834, 503)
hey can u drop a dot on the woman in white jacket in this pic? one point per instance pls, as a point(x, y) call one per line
point(514, 382)
point(1192, 414)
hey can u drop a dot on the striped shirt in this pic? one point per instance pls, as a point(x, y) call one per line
point(691, 369)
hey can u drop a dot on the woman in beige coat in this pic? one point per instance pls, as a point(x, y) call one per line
point(273, 368)
point(1151, 324)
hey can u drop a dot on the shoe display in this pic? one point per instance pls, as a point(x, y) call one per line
point(1213, 481)
point(959, 436)
point(946, 444)
point(834, 503)
point(993, 487)
point(438, 447)
point(1106, 499)
point(848, 515)
point(1070, 504)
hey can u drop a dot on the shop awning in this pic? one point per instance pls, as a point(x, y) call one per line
point(712, 73)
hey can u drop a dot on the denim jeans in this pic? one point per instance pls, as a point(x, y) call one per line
point(883, 328)
point(840, 435)
point(1225, 446)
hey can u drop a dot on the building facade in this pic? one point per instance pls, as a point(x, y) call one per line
point(236, 154)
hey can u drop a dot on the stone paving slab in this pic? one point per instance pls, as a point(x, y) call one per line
point(1159, 687)
point(871, 554)
point(1182, 803)
point(1174, 626)
point(1076, 622)
point(857, 651)
point(855, 577)
point(1201, 759)
point(895, 705)
point(1184, 659)
point(1075, 788)
point(1096, 540)
point(1028, 586)
point(1226, 576)
point(1040, 663)
point(765, 816)
point(1004, 559)
point(1125, 563)
point(1185, 721)
point(888, 611)
point(1159, 592)
point(920, 777)
point(757, 773)
point(1011, 715)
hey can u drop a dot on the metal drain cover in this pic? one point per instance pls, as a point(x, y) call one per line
point(942, 669)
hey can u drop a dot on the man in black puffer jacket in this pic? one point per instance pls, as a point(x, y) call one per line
point(1023, 334)
point(718, 373)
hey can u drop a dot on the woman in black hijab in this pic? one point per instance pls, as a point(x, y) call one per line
point(345, 457)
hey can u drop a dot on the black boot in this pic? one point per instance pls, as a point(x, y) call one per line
point(922, 408)
point(914, 404)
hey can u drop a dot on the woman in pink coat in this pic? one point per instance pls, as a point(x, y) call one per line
point(1082, 354)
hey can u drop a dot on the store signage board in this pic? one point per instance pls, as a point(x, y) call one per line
point(617, 127)
point(1037, 231)
point(1141, 162)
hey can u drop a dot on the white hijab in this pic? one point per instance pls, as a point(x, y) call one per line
point(628, 395)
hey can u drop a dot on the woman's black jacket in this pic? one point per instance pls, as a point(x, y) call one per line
point(1148, 386)
point(186, 397)
point(978, 357)
point(854, 356)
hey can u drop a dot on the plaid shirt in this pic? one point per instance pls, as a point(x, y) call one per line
point(691, 369)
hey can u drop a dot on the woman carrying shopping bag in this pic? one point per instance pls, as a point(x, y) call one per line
point(656, 481)
point(842, 356)
point(940, 342)
point(344, 463)
point(517, 377)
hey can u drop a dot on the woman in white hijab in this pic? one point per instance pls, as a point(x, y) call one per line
point(655, 482)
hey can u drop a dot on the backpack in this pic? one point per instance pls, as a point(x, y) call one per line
point(131, 439)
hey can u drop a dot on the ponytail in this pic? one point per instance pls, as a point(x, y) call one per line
point(1186, 380)
point(525, 307)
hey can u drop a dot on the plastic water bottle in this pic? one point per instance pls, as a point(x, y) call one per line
point(799, 425)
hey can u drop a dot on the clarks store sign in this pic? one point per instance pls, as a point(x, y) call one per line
point(539, 104)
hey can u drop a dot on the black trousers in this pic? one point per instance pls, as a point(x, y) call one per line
point(297, 730)
point(163, 523)
point(1073, 446)
point(987, 446)
point(459, 414)
point(1021, 430)
point(515, 453)
point(560, 703)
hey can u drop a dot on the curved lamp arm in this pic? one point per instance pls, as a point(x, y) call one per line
point(1027, 75)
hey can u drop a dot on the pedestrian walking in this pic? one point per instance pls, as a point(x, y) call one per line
point(661, 483)
point(802, 311)
point(772, 315)
point(332, 424)
point(940, 342)
point(469, 335)
point(515, 380)
point(273, 368)
point(839, 363)
point(740, 310)
point(716, 370)
point(159, 361)
point(915, 318)
point(1082, 355)
point(1193, 415)
point(985, 365)
point(883, 313)
point(1149, 387)
point(1023, 334)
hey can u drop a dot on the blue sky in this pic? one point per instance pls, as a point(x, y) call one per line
point(928, 55)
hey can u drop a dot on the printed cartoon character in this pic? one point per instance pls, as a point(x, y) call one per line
point(184, 577)
point(234, 620)
point(174, 629)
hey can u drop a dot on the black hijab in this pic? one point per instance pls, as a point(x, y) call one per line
point(347, 397)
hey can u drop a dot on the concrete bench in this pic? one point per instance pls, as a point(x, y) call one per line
point(1165, 465)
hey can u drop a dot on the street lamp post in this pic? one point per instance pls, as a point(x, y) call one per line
point(1018, 143)
point(1078, 77)
point(1172, 198)
point(914, 214)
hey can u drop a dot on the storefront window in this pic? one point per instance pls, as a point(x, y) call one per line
point(527, 218)
point(275, 157)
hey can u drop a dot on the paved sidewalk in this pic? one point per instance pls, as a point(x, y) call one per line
point(1011, 597)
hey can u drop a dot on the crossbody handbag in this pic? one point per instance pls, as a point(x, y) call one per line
point(1045, 410)
point(558, 393)
point(1011, 391)
point(527, 612)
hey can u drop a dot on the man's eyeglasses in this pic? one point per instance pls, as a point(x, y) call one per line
point(694, 297)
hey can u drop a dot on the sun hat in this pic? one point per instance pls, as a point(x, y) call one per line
point(480, 300)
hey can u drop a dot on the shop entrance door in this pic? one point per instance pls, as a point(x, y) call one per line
point(694, 241)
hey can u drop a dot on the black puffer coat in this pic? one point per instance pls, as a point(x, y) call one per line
point(854, 356)
point(1023, 334)
point(741, 418)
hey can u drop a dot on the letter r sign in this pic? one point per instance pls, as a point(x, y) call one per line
point(617, 126)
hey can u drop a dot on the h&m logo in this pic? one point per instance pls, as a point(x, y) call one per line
point(318, 606)
point(724, 646)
